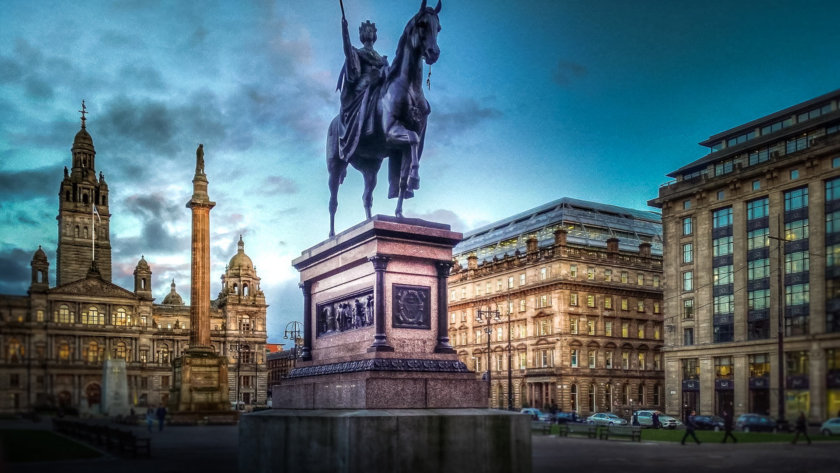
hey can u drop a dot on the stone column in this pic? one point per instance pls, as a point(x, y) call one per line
point(443, 345)
point(306, 352)
point(200, 205)
point(380, 342)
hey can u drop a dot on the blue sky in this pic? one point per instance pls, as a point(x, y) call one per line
point(531, 101)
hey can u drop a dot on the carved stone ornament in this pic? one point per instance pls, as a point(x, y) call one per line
point(411, 307)
point(346, 313)
point(93, 287)
point(382, 364)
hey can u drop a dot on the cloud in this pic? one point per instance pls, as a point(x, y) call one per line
point(452, 118)
point(280, 185)
point(567, 71)
point(154, 212)
point(15, 272)
point(30, 183)
point(441, 216)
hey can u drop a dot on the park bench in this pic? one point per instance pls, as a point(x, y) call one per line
point(632, 432)
point(123, 441)
point(541, 426)
point(589, 430)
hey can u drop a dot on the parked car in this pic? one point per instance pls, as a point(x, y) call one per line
point(605, 418)
point(756, 423)
point(708, 423)
point(567, 418)
point(536, 414)
point(665, 421)
point(831, 426)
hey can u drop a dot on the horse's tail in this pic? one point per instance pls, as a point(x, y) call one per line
point(334, 161)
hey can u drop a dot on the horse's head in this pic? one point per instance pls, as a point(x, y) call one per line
point(424, 30)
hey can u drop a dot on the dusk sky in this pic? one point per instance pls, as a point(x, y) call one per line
point(531, 101)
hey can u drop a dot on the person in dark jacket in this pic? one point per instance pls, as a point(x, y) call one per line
point(727, 427)
point(161, 415)
point(801, 428)
point(689, 428)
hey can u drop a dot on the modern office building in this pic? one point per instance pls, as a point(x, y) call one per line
point(572, 294)
point(752, 251)
point(54, 340)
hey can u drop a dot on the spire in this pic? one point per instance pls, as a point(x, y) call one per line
point(240, 245)
point(83, 111)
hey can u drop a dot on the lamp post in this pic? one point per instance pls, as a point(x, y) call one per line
point(479, 317)
point(780, 241)
point(293, 333)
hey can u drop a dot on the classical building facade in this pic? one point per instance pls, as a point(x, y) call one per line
point(752, 257)
point(55, 339)
point(577, 290)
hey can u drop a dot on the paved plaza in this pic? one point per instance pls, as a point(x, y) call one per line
point(214, 449)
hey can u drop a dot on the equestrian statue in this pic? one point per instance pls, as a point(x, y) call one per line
point(383, 110)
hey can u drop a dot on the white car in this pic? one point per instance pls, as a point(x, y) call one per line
point(665, 421)
point(831, 426)
point(605, 418)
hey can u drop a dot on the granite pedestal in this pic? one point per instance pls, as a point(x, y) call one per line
point(115, 388)
point(378, 386)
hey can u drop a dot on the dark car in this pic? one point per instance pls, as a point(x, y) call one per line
point(567, 418)
point(708, 423)
point(756, 423)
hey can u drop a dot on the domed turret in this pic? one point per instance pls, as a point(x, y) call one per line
point(173, 298)
point(240, 260)
point(40, 271)
point(143, 279)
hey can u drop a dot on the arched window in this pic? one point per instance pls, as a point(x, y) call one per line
point(91, 354)
point(656, 389)
point(120, 350)
point(574, 398)
point(163, 353)
point(592, 406)
point(64, 352)
point(76, 232)
point(143, 283)
point(64, 316)
point(120, 317)
point(85, 232)
point(85, 198)
point(14, 351)
point(245, 323)
point(245, 290)
point(641, 395)
point(236, 288)
point(93, 317)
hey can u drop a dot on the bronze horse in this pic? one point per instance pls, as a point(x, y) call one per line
point(400, 115)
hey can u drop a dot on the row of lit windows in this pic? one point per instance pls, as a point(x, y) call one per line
point(759, 366)
point(91, 316)
point(591, 301)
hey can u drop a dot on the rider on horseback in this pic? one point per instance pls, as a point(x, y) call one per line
point(359, 82)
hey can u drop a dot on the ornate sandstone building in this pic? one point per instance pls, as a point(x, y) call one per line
point(55, 339)
point(577, 287)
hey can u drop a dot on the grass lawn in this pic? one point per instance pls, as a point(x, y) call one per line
point(19, 445)
point(664, 435)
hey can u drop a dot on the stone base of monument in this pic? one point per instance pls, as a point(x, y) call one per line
point(200, 391)
point(115, 388)
point(394, 441)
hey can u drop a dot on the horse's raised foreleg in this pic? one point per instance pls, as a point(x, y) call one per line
point(401, 137)
point(336, 168)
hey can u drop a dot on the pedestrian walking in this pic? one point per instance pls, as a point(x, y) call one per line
point(727, 427)
point(689, 428)
point(655, 420)
point(161, 415)
point(150, 418)
point(801, 428)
